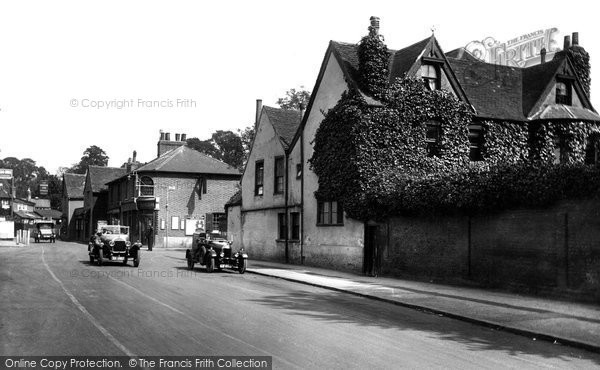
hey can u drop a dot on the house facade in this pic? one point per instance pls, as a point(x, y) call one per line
point(167, 199)
point(73, 186)
point(498, 96)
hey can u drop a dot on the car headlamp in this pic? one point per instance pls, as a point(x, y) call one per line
point(111, 243)
point(127, 243)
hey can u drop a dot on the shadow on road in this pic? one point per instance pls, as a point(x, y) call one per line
point(340, 307)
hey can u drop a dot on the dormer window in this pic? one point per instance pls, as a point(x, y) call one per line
point(563, 92)
point(431, 76)
point(433, 135)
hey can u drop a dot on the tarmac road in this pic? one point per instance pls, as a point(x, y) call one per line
point(53, 302)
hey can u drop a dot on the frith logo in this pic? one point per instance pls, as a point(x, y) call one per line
point(522, 51)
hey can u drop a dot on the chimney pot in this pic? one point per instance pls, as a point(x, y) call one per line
point(575, 38)
point(567, 43)
point(168, 136)
point(162, 135)
point(134, 155)
point(176, 137)
point(374, 28)
point(543, 55)
point(183, 137)
point(258, 109)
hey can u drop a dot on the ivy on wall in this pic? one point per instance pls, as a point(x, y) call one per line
point(374, 159)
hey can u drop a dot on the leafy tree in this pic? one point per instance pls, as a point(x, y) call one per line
point(295, 99)
point(225, 146)
point(92, 156)
point(247, 137)
point(27, 175)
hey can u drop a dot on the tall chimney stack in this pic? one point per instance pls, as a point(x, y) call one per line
point(168, 136)
point(162, 135)
point(374, 27)
point(543, 55)
point(176, 137)
point(134, 156)
point(575, 38)
point(258, 109)
point(567, 43)
point(183, 137)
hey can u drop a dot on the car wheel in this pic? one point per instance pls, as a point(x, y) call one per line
point(138, 257)
point(100, 256)
point(190, 262)
point(91, 260)
point(242, 263)
point(210, 264)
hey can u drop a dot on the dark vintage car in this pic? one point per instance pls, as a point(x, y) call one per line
point(115, 246)
point(214, 252)
point(44, 230)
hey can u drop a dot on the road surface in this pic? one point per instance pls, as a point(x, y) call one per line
point(53, 302)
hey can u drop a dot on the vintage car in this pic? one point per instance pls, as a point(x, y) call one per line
point(44, 230)
point(115, 246)
point(214, 252)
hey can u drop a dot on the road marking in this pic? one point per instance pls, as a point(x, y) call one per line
point(86, 313)
point(198, 321)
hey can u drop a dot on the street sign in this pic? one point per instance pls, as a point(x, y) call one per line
point(43, 187)
point(6, 173)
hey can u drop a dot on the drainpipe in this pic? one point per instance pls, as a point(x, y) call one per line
point(287, 226)
point(302, 198)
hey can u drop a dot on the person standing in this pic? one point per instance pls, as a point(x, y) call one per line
point(150, 237)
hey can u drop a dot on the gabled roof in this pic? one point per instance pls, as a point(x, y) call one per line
point(100, 176)
point(74, 184)
point(495, 91)
point(187, 160)
point(49, 213)
point(285, 122)
point(235, 200)
point(405, 58)
point(41, 203)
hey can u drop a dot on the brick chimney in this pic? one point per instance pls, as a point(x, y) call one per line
point(374, 27)
point(165, 144)
point(543, 56)
point(575, 38)
point(258, 109)
point(567, 43)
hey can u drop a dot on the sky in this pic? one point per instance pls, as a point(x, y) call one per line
point(114, 73)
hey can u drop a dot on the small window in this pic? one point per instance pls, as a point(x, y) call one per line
point(431, 77)
point(592, 147)
point(278, 185)
point(259, 177)
point(298, 170)
point(174, 222)
point(563, 93)
point(475, 142)
point(295, 225)
point(146, 186)
point(329, 213)
point(559, 149)
point(432, 138)
point(281, 226)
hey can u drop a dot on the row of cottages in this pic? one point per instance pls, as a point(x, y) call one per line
point(278, 216)
point(163, 201)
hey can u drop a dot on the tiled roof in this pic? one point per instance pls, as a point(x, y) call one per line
point(567, 112)
point(100, 176)
point(49, 213)
point(24, 201)
point(74, 185)
point(187, 160)
point(235, 200)
point(495, 91)
point(41, 203)
point(405, 58)
point(28, 215)
point(285, 123)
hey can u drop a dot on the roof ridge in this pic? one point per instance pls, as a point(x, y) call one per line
point(169, 156)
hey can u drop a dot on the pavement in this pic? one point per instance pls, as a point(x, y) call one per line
point(561, 322)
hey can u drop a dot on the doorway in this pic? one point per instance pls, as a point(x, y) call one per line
point(371, 251)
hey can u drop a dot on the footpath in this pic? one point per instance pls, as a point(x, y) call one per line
point(561, 322)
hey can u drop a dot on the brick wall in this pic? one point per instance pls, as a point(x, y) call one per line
point(554, 250)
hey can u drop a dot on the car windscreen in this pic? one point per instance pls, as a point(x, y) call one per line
point(45, 226)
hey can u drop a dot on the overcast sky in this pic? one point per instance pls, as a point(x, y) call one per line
point(221, 55)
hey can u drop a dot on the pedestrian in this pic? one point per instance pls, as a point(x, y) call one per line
point(150, 237)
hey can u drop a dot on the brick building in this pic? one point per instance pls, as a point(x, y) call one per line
point(73, 185)
point(165, 200)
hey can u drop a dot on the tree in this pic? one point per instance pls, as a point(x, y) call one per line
point(225, 146)
point(92, 156)
point(27, 175)
point(295, 99)
point(247, 137)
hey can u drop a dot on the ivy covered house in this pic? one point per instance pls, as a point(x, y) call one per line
point(392, 136)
